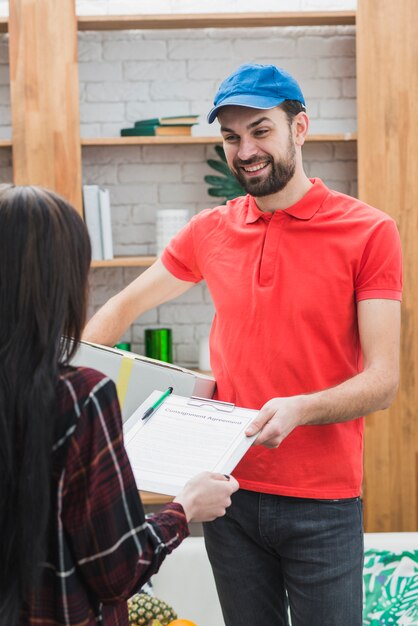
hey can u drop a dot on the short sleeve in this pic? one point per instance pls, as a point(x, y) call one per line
point(380, 270)
point(180, 257)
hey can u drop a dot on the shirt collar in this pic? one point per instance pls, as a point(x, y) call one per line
point(305, 209)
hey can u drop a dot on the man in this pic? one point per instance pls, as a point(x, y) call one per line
point(306, 284)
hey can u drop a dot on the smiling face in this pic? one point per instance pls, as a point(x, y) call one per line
point(259, 148)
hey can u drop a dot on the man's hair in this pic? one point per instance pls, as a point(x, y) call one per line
point(44, 264)
point(292, 108)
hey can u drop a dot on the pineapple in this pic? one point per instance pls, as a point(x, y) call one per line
point(142, 609)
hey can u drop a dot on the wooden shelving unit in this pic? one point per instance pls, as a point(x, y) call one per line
point(210, 20)
point(149, 141)
point(226, 20)
point(164, 141)
point(216, 20)
point(179, 21)
point(386, 42)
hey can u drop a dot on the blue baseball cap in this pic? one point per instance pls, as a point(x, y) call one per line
point(257, 87)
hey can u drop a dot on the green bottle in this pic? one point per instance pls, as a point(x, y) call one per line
point(159, 344)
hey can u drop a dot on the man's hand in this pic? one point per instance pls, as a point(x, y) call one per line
point(276, 420)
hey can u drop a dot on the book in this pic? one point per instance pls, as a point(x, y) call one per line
point(106, 223)
point(182, 437)
point(155, 129)
point(187, 120)
point(92, 219)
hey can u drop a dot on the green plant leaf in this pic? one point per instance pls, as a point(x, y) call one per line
point(221, 153)
point(219, 166)
point(224, 186)
point(217, 193)
point(215, 180)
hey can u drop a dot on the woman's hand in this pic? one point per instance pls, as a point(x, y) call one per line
point(207, 496)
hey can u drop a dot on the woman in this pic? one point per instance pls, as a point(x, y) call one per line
point(74, 543)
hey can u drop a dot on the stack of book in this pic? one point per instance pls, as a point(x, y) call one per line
point(98, 220)
point(162, 126)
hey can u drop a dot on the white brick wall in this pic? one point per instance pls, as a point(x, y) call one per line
point(6, 174)
point(122, 7)
point(125, 75)
point(5, 112)
point(90, 7)
point(130, 75)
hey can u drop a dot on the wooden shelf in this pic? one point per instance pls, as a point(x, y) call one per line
point(331, 137)
point(126, 261)
point(148, 141)
point(209, 20)
point(181, 140)
point(216, 20)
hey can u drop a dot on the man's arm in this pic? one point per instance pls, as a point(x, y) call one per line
point(155, 286)
point(371, 390)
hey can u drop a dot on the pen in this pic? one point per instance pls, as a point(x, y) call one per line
point(157, 403)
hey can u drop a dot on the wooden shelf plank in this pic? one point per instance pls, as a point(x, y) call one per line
point(126, 261)
point(209, 20)
point(339, 137)
point(216, 20)
point(147, 141)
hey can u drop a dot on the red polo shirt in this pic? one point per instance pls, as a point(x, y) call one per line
point(285, 287)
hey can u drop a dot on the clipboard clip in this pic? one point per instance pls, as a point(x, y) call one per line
point(219, 405)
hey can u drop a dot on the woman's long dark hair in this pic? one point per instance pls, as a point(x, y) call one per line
point(44, 263)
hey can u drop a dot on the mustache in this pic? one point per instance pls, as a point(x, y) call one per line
point(252, 161)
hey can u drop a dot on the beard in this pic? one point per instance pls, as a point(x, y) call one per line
point(281, 172)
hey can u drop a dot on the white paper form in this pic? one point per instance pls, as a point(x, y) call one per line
point(182, 438)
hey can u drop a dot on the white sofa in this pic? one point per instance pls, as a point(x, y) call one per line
point(186, 582)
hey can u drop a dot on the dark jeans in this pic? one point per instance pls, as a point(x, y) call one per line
point(270, 552)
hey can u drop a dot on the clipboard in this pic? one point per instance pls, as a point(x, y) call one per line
point(183, 437)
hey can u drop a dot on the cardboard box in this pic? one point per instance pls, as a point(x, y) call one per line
point(137, 376)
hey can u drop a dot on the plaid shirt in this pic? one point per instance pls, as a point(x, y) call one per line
point(101, 549)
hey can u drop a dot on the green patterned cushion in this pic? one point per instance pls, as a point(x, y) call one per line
point(390, 588)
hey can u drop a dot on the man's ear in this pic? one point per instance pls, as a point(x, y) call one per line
point(300, 128)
